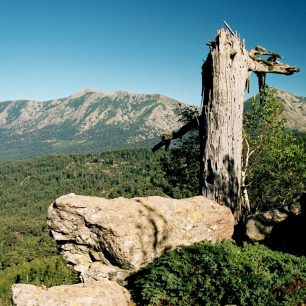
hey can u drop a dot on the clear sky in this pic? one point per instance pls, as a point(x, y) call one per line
point(54, 48)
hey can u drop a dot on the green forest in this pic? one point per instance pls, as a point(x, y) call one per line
point(27, 188)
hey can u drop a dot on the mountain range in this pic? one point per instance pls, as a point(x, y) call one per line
point(87, 121)
point(295, 110)
point(90, 121)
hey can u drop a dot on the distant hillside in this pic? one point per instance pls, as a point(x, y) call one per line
point(88, 121)
point(295, 109)
point(91, 121)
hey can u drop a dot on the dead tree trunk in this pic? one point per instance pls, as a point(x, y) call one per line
point(225, 77)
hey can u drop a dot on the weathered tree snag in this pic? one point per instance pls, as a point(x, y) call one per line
point(225, 78)
point(225, 75)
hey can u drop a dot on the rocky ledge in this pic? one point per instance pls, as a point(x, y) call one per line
point(104, 238)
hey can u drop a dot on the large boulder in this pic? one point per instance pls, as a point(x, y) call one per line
point(104, 238)
point(104, 293)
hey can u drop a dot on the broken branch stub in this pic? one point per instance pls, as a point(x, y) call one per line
point(167, 137)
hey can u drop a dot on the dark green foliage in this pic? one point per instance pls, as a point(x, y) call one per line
point(277, 169)
point(300, 137)
point(206, 274)
point(181, 163)
point(181, 166)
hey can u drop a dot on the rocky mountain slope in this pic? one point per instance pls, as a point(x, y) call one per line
point(295, 109)
point(84, 122)
point(90, 121)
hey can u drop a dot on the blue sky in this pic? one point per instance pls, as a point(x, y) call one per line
point(54, 48)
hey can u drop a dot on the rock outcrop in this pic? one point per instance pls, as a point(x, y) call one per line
point(281, 229)
point(104, 293)
point(259, 227)
point(104, 238)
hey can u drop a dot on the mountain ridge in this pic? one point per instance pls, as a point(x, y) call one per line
point(90, 121)
point(294, 109)
point(85, 121)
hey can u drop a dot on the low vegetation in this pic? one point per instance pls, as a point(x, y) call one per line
point(221, 274)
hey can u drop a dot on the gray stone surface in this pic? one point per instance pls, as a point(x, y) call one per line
point(104, 293)
point(104, 238)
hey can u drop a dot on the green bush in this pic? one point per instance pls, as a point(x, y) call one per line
point(276, 173)
point(206, 274)
point(181, 166)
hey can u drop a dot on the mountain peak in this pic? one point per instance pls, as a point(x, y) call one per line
point(82, 92)
point(86, 90)
point(85, 121)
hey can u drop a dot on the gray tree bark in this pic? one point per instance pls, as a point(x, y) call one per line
point(225, 78)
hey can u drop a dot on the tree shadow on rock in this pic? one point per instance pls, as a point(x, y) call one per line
point(231, 189)
point(158, 227)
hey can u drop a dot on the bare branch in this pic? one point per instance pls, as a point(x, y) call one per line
point(244, 189)
point(271, 64)
point(167, 137)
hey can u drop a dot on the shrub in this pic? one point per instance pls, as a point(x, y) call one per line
point(206, 274)
point(276, 173)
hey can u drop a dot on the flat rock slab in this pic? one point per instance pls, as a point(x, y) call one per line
point(110, 238)
point(104, 293)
